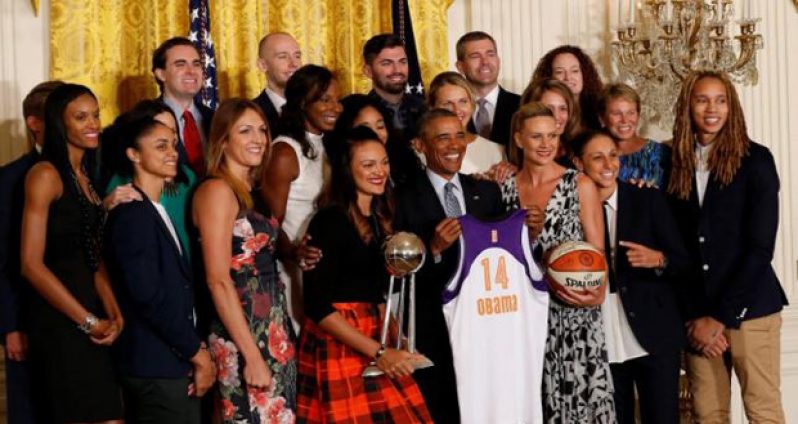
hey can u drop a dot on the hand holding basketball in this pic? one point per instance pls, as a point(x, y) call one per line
point(577, 273)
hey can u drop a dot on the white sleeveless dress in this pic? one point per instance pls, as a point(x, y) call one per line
point(299, 209)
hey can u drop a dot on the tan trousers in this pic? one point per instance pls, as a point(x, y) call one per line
point(754, 354)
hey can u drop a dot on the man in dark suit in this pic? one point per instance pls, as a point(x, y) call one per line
point(478, 60)
point(428, 206)
point(279, 57)
point(179, 74)
point(162, 361)
point(22, 405)
point(644, 331)
point(385, 63)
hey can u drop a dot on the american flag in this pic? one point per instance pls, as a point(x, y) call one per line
point(200, 35)
point(403, 28)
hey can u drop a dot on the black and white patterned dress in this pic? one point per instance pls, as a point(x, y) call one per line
point(577, 384)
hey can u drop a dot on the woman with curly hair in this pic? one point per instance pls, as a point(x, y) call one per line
point(574, 68)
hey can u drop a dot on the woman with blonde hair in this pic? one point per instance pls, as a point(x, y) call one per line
point(252, 341)
point(642, 159)
point(577, 384)
point(450, 91)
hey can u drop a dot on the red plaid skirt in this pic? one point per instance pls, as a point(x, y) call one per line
point(331, 389)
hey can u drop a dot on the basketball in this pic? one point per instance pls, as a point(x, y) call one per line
point(576, 266)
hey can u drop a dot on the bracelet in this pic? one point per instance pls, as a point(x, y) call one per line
point(88, 323)
point(380, 352)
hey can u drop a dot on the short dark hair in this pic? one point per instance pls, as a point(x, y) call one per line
point(378, 43)
point(430, 116)
point(582, 139)
point(159, 55)
point(469, 37)
point(33, 104)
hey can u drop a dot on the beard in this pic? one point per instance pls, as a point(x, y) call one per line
point(390, 86)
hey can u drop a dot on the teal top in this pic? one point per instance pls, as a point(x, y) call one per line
point(175, 202)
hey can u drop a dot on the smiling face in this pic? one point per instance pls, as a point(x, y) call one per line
point(600, 160)
point(182, 75)
point(82, 122)
point(456, 99)
point(372, 118)
point(443, 144)
point(322, 114)
point(248, 140)
point(481, 63)
point(709, 108)
point(388, 71)
point(566, 69)
point(279, 59)
point(621, 119)
point(558, 106)
point(370, 168)
point(538, 139)
point(155, 153)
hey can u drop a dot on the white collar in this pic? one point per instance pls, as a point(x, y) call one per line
point(612, 201)
point(277, 100)
point(493, 96)
point(314, 139)
point(439, 182)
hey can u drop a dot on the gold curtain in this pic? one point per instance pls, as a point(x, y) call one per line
point(107, 44)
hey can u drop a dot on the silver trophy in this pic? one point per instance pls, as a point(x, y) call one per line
point(404, 255)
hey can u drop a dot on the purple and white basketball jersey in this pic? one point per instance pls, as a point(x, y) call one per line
point(496, 307)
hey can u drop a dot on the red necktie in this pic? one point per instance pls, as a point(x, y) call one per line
point(193, 144)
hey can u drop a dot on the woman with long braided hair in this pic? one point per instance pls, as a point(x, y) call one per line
point(724, 189)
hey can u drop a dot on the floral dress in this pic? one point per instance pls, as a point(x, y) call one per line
point(262, 295)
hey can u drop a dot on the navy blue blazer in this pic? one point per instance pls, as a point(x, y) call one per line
point(13, 288)
point(732, 238)
point(648, 296)
point(506, 105)
point(153, 285)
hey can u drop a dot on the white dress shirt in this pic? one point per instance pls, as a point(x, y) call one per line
point(622, 345)
point(702, 169)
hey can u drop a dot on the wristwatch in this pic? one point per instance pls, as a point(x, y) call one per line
point(88, 323)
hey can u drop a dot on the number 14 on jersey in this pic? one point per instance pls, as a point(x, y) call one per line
point(500, 278)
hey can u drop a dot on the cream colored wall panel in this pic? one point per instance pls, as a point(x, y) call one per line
point(24, 63)
point(771, 107)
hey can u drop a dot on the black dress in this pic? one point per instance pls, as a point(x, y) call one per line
point(76, 375)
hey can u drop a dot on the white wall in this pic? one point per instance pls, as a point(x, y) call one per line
point(23, 64)
point(526, 29)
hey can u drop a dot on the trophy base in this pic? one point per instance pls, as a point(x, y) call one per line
point(372, 371)
point(422, 363)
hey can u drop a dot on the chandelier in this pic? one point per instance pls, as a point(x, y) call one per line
point(673, 38)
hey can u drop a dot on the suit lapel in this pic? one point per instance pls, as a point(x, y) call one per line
point(470, 194)
point(427, 196)
point(179, 251)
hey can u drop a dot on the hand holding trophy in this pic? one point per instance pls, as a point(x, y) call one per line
point(404, 255)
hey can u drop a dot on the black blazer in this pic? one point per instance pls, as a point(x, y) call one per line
point(152, 282)
point(419, 211)
point(269, 110)
point(649, 296)
point(732, 238)
point(506, 105)
point(13, 288)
